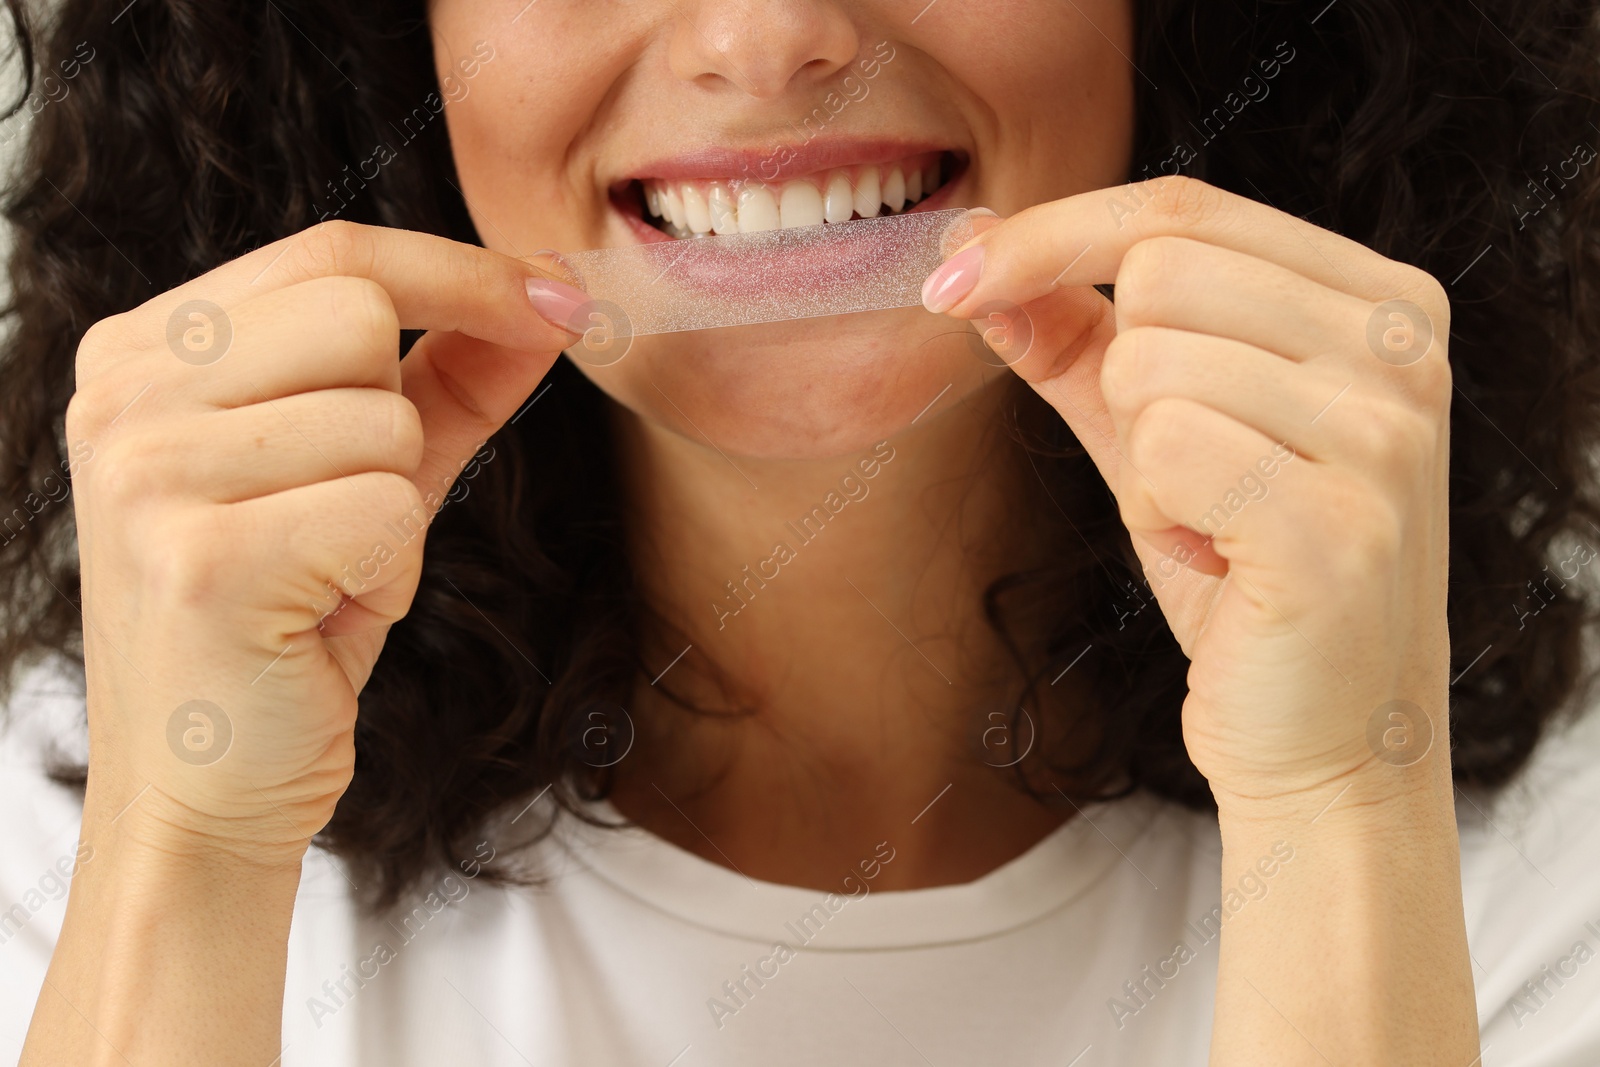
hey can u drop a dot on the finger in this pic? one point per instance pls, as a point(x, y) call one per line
point(433, 282)
point(1056, 344)
point(358, 537)
point(1191, 466)
point(1285, 401)
point(1082, 239)
point(464, 390)
point(1189, 285)
point(325, 333)
point(239, 453)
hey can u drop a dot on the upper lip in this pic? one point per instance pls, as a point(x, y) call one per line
point(780, 160)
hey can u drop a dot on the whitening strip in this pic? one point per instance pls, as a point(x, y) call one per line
point(698, 283)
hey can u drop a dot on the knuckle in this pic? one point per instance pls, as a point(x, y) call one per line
point(99, 344)
point(1432, 382)
point(1391, 439)
point(401, 426)
point(99, 338)
point(1147, 269)
point(187, 561)
point(337, 247)
point(1368, 430)
point(85, 414)
point(488, 274)
point(1122, 370)
point(1189, 202)
point(362, 309)
point(1428, 293)
point(129, 472)
point(1431, 295)
point(394, 496)
point(1412, 443)
point(103, 398)
point(1371, 535)
point(1162, 431)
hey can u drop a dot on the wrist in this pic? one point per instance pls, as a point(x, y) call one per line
point(1375, 796)
point(145, 827)
point(170, 942)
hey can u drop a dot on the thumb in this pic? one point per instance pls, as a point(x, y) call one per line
point(1062, 337)
point(465, 388)
point(1057, 344)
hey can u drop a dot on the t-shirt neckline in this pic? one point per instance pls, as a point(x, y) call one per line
point(1049, 875)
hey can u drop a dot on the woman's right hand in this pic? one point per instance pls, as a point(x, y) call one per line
point(257, 450)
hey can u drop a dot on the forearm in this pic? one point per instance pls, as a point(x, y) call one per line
point(1357, 951)
point(170, 953)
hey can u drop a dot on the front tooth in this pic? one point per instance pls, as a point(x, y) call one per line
point(652, 199)
point(757, 209)
point(671, 206)
point(914, 186)
point(801, 205)
point(839, 201)
point(894, 190)
point(867, 199)
point(930, 179)
point(696, 216)
point(720, 206)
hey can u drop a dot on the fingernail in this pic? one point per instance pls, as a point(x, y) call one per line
point(554, 262)
point(556, 302)
point(954, 279)
point(985, 212)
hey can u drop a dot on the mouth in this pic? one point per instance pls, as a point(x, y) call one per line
point(697, 202)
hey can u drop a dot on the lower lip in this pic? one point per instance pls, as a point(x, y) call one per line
point(843, 262)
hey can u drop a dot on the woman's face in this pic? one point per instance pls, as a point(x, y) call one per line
point(587, 112)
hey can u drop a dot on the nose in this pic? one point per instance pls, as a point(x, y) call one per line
point(760, 47)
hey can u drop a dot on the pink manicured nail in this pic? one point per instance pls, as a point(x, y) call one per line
point(954, 279)
point(556, 302)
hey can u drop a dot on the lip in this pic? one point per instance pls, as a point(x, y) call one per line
point(648, 234)
point(764, 273)
point(780, 161)
point(808, 159)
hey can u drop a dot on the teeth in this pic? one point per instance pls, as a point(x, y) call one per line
point(697, 215)
point(757, 210)
point(894, 190)
point(723, 218)
point(801, 205)
point(867, 198)
point(695, 209)
point(839, 202)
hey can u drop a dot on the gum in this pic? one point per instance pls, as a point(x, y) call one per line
point(702, 283)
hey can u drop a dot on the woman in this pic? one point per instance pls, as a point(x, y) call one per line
point(1088, 693)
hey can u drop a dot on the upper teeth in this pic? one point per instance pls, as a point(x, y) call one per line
point(741, 206)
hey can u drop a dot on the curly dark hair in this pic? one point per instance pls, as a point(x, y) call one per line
point(1454, 137)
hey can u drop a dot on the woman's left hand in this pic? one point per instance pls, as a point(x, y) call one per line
point(1269, 403)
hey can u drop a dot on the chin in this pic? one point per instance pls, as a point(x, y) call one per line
point(801, 389)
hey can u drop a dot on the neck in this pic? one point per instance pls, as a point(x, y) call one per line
point(832, 610)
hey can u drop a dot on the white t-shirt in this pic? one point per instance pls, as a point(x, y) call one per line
point(1096, 947)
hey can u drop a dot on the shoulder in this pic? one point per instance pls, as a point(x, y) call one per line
point(1530, 869)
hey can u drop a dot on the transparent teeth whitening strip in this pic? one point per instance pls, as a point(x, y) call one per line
point(699, 283)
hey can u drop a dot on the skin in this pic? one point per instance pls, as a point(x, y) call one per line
point(705, 418)
point(215, 503)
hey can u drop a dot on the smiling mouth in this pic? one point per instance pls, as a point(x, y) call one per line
point(699, 208)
